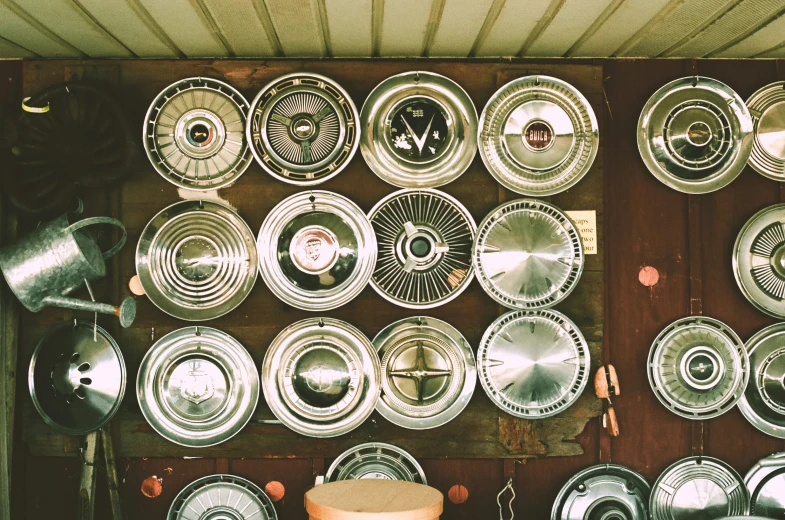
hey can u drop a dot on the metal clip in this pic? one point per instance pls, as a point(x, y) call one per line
point(95, 318)
point(499, 500)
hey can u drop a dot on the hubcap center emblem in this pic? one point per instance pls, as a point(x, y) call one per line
point(197, 386)
point(321, 377)
point(199, 133)
point(538, 136)
point(702, 367)
point(314, 249)
point(303, 128)
point(699, 134)
point(196, 259)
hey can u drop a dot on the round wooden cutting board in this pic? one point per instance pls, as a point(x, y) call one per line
point(372, 499)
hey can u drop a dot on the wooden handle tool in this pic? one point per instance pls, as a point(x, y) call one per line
point(606, 384)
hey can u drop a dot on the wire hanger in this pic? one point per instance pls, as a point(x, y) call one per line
point(499, 498)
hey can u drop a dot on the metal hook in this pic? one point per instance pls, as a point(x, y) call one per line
point(499, 500)
point(79, 207)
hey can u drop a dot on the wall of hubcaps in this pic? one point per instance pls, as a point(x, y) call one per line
point(418, 248)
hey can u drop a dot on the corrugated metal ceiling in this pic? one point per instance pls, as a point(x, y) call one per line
point(391, 28)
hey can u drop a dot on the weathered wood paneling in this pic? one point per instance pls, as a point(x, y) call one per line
point(173, 474)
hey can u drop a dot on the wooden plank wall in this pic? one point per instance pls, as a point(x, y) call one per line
point(479, 431)
point(687, 239)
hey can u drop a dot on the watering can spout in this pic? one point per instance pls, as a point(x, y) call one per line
point(126, 311)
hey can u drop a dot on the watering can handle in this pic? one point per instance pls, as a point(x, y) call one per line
point(101, 220)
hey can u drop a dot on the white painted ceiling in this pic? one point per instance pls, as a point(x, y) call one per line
point(391, 28)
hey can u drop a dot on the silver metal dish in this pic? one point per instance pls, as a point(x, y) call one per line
point(538, 136)
point(695, 134)
point(698, 487)
point(528, 254)
point(321, 377)
point(425, 248)
point(767, 108)
point(196, 260)
point(197, 386)
point(766, 484)
point(763, 402)
point(194, 134)
point(533, 364)
point(428, 372)
point(418, 130)
point(303, 128)
point(317, 250)
point(375, 460)
point(77, 377)
point(698, 367)
point(222, 497)
point(603, 492)
point(759, 260)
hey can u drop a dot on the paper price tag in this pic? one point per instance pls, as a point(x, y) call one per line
point(587, 229)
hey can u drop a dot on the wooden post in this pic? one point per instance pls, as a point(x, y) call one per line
point(696, 280)
point(111, 472)
point(87, 486)
point(8, 358)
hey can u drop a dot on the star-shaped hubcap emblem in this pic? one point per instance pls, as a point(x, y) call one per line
point(420, 373)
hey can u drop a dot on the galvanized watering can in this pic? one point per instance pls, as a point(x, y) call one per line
point(58, 258)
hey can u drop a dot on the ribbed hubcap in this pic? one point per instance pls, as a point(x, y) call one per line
point(195, 134)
